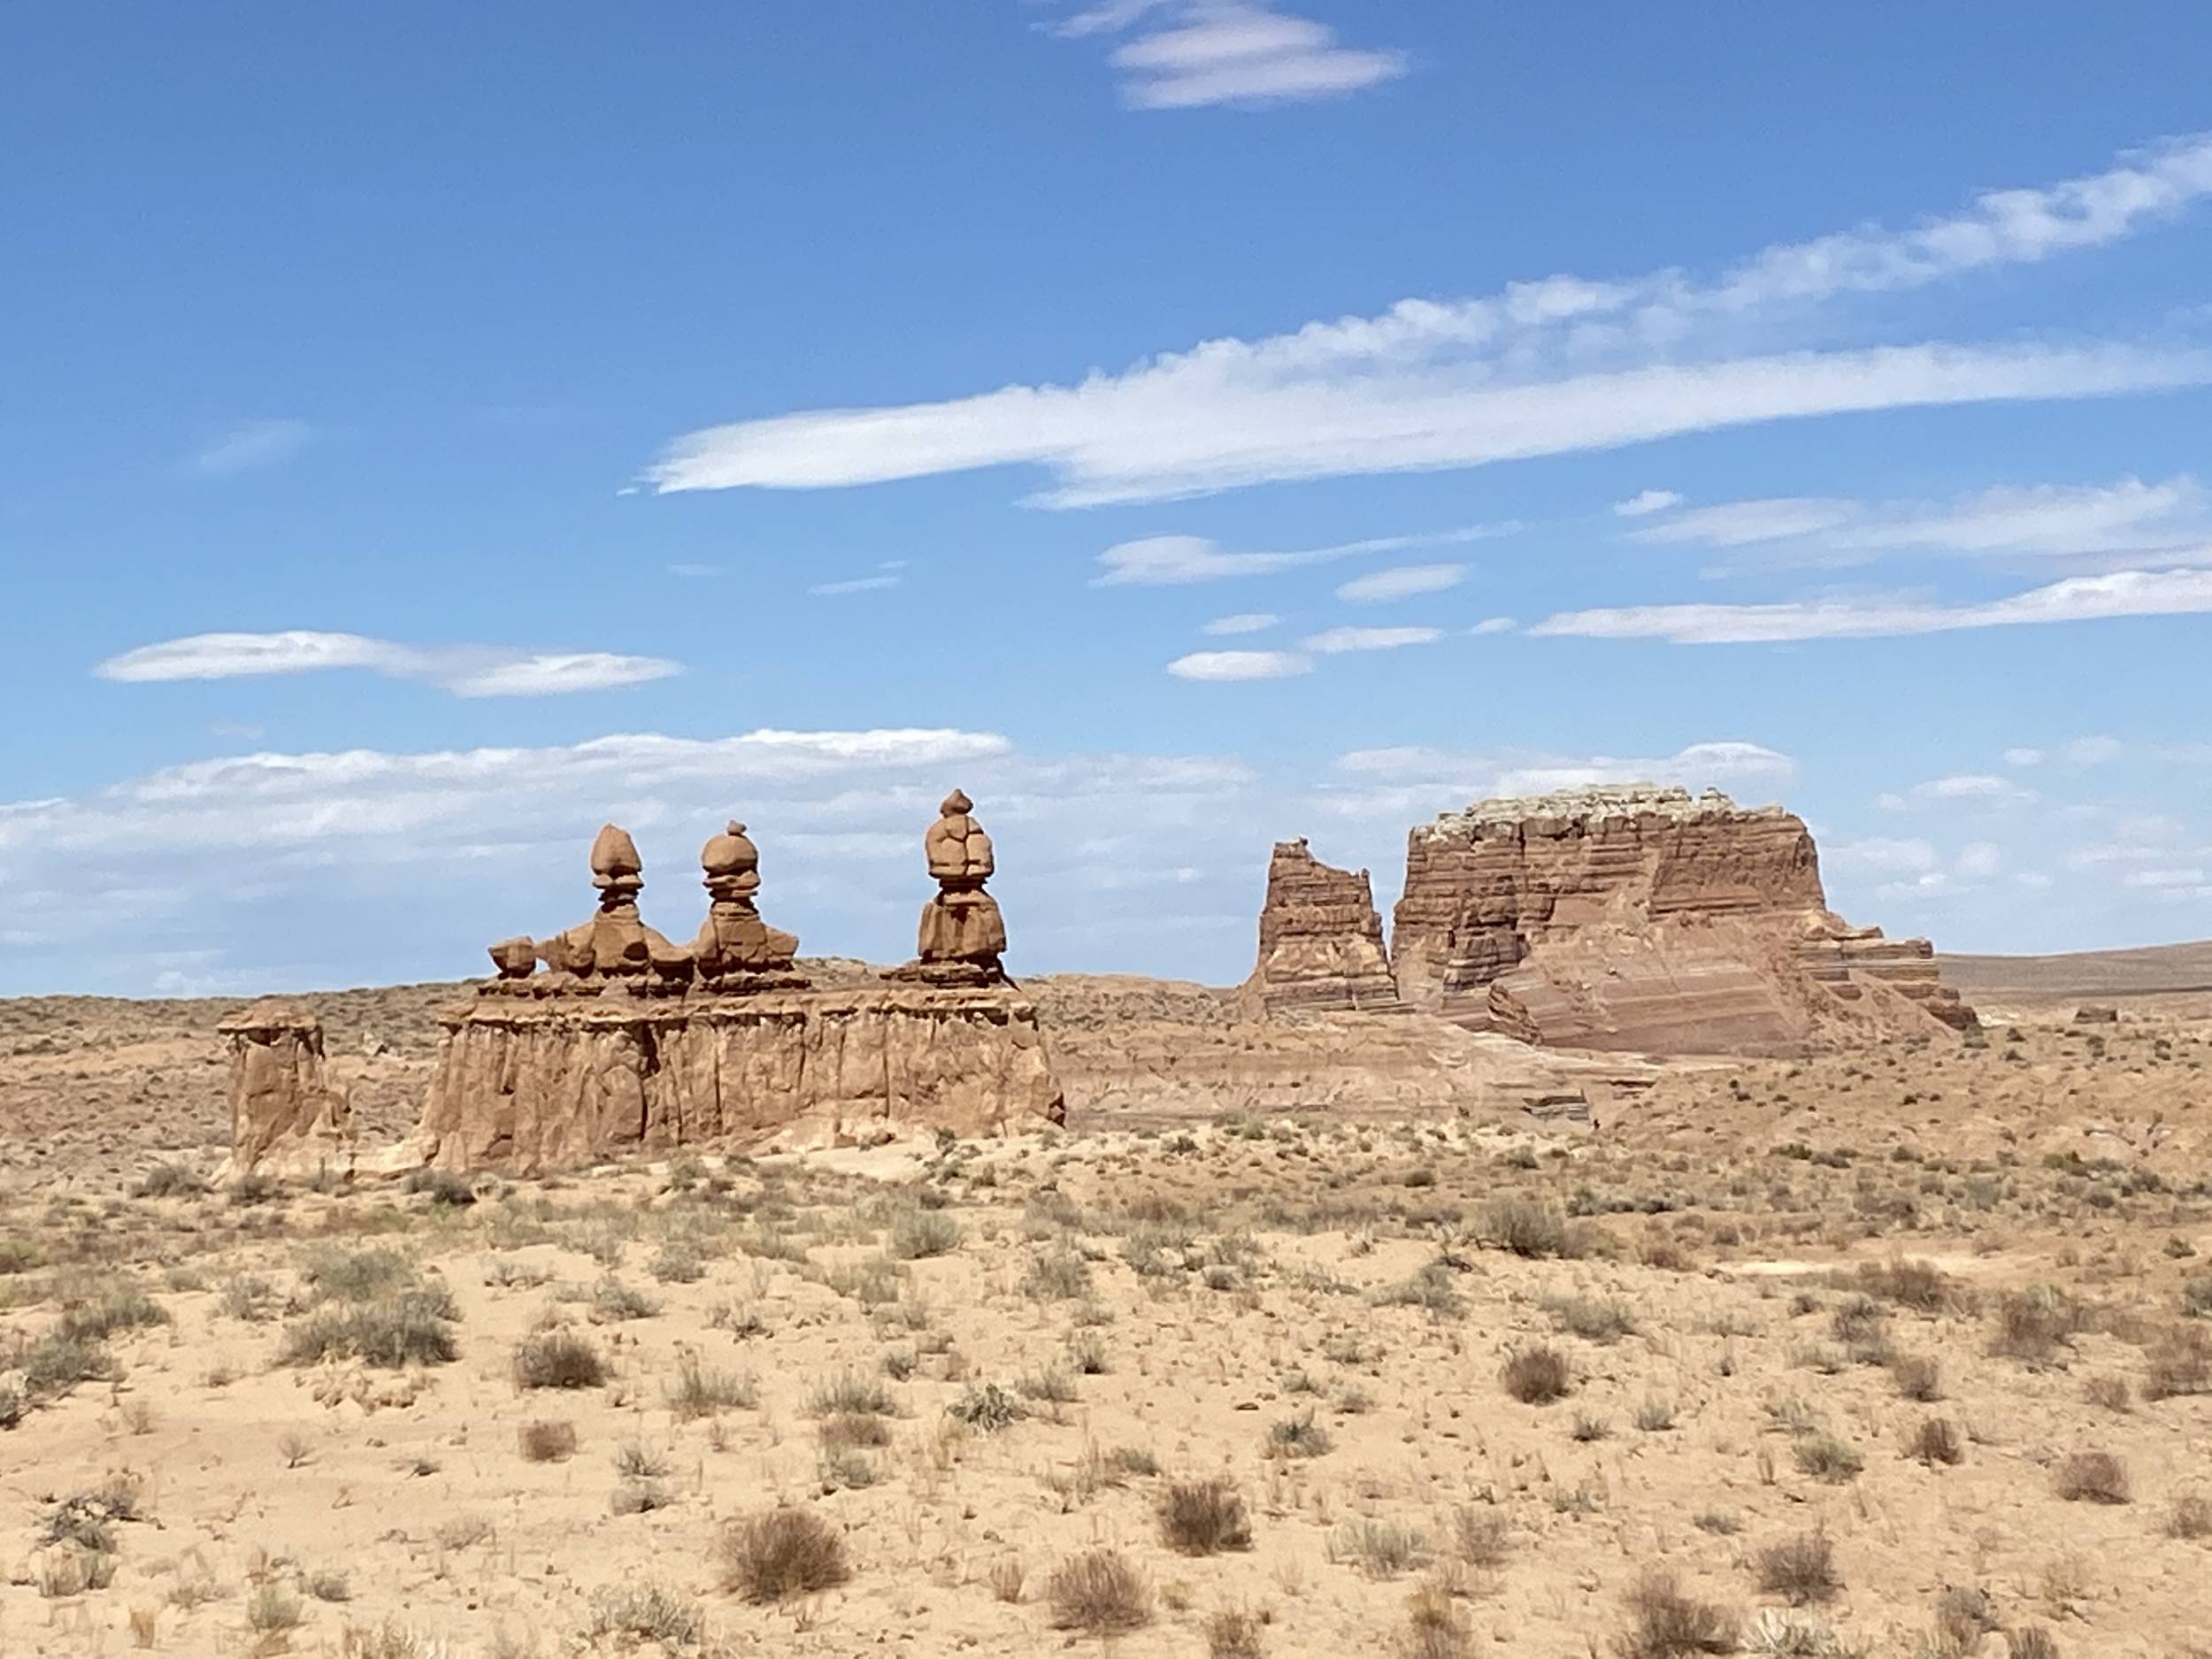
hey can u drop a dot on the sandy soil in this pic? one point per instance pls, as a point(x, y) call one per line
point(976, 1365)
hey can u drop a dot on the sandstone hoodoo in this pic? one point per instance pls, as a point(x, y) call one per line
point(1640, 916)
point(1321, 939)
point(286, 1117)
point(963, 935)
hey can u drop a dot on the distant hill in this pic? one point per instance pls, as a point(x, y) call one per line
point(2151, 971)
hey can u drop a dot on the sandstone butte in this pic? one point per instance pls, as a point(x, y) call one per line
point(1614, 917)
point(608, 1039)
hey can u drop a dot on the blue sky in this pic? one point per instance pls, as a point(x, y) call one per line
point(427, 432)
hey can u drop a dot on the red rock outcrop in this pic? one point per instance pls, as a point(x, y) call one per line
point(1321, 941)
point(1640, 916)
point(629, 1043)
point(286, 1117)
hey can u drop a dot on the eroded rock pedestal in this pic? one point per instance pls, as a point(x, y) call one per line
point(626, 1043)
point(1321, 941)
point(1642, 918)
point(286, 1117)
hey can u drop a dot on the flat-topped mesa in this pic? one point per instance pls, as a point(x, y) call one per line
point(615, 949)
point(963, 935)
point(1321, 941)
point(1695, 916)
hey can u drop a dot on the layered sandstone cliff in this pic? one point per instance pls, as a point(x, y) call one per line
point(1321, 941)
point(285, 1116)
point(1639, 917)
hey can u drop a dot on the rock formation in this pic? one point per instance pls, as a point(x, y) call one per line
point(1639, 917)
point(629, 1043)
point(1321, 941)
point(961, 935)
point(285, 1118)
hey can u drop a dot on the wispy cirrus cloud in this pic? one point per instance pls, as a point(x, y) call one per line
point(466, 671)
point(2163, 593)
point(1224, 666)
point(249, 446)
point(1162, 561)
point(1242, 622)
point(1335, 642)
point(1644, 503)
point(1544, 367)
point(1195, 53)
point(2036, 520)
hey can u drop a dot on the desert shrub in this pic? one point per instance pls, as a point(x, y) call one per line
point(1964, 1616)
point(1936, 1440)
point(640, 1496)
point(1051, 1385)
point(1383, 1548)
point(446, 1189)
point(255, 1187)
point(2191, 1517)
point(1800, 1568)
point(986, 1409)
point(1526, 1226)
point(327, 1584)
point(1131, 1460)
point(557, 1359)
point(2031, 1641)
point(853, 1431)
point(89, 1519)
point(1655, 1415)
point(274, 1605)
point(546, 1442)
point(1297, 1437)
point(1665, 1622)
point(1433, 1286)
point(780, 1554)
point(1536, 1376)
point(1086, 1352)
point(1057, 1276)
point(635, 1460)
point(170, 1181)
point(851, 1394)
point(1594, 1319)
point(1589, 1426)
point(1233, 1633)
point(918, 1233)
point(412, 1328)
point(73, 1571)
point(612, 1302)
point(645, 1612)
point(1202, 1518)
point(1480, 1537)
point(2196, 1296)
point(2111, 1394)
point(1917, 1377)
point(2036, 1326)
point(1825, 1457)
point(1434, 1627)
point(2180, 1362)
point(1920, 1286)
point(701, 1391)
point(1099, 1593)
point(58, 1362)
point(248, 1297)
point(333, 1274)
point(2090, 1476)
point(1797, 1635)
point(125, 1308)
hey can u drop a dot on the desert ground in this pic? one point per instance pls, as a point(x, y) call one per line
point(1899, 1350)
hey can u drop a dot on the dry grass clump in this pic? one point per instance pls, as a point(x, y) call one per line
point(1665, 1622)
point(2191, 1517)
point(1800, 1568)
point(1920, 1286)
point(646, 1612)
point(851, 1394)
point(2090, 1476)
point(547, 1441)
point(1202, 1518)
point(2037, 1326)
point(1434, 1628)
point(2180, 1362)
point(414, 1327)
point(701, 1391)
point(1383, 1548)
point(557, 1359)
point(1099, 1593)
point(1824, 1456)
point(2031, 1641)
point(1537, 1376)
point(1481, 1537)
point(780, 1554)
point(1593, 1318)
point(1233, 1633)
point(1964, 1616)
point(1936, 1440)
point(2110, 1393)
point(1917, 1377)
point(915, 1235)
point(1297, 1437)
point(1526, 1227)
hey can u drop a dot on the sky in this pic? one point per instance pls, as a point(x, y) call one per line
point(429, 432)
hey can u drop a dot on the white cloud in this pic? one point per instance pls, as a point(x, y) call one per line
point(1242, 622)
point(2090, 752)
point(1231, 51)
point(1644, 503)
point(1980, 860)
point(467, 670)
point(1403, 582)
point(1972, 785)
point(1164, 561)
point(2031, 521)
point(2024, 758)
point(855, 585)
point(2185, 592)
point(1239, 665)
point(251, 446)
point(1332, 641)
point(1495, 625)
point(1547, 367)
point(1888, 854)
point(2192, 881)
